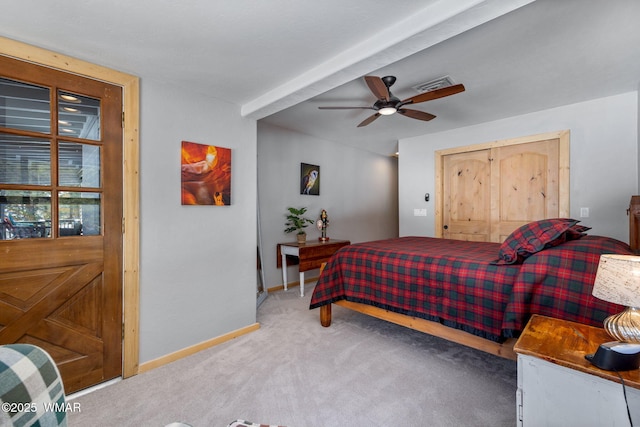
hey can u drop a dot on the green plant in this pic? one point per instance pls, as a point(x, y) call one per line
point(296, 220)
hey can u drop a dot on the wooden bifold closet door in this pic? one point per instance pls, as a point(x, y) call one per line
point(486, 191)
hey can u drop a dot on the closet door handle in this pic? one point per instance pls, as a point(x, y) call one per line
point(446, 227)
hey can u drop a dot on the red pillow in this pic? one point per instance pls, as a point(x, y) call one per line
point(577, 231)
point(534, 237)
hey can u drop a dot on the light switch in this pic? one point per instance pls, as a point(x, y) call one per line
point(584, 212)
point(420, 212)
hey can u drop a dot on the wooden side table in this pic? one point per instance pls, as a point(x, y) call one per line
point(310, 255)
point(557, 386)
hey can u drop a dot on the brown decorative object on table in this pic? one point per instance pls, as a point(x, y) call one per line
point(322, 224)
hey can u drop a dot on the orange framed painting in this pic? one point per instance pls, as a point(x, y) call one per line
point(205, 174)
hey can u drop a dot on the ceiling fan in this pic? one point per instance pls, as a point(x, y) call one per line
point(388, 104)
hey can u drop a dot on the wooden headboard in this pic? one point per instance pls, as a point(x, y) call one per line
point(634, 224)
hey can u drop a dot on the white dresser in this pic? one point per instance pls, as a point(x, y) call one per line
point(557, 386)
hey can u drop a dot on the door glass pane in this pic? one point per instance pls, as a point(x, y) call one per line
point(79, 213)
point(78, 116)
point(25, 214)
point(24, 106)
point(79, 165)
point(24, 160)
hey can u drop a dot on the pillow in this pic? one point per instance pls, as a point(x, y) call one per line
point(576, 231)
point(534, 237)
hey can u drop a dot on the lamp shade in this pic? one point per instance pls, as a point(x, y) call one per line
point(618, 280)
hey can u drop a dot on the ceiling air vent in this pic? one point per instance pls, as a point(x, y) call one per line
point(434, 84)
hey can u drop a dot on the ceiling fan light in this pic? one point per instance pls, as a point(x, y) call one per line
point(69, 98)
point(387, 111)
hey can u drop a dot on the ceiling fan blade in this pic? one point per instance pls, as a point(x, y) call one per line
point(378, 87)
point(415, 114)
point(346, 108)
point(369, 119)
point(434, 94)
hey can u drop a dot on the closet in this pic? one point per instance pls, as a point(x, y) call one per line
point(486, 191)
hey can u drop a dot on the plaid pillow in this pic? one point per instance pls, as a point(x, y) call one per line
point(576, 231)
point(534, 237)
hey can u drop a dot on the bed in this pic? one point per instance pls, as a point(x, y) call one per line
point(475, 293)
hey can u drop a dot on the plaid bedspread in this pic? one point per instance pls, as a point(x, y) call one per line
point(558, 281)
point(455, 283)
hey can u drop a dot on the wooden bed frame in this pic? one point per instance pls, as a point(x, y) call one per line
point(436, 329)
point(504, 349)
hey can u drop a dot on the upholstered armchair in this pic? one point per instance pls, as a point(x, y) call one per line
point(31, 390)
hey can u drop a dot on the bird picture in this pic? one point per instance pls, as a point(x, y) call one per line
point(310, 179)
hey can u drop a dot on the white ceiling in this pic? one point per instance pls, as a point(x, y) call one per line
point(278, 60)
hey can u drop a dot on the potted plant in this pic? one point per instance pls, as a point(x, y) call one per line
point(297, 222)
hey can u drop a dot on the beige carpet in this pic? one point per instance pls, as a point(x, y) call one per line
point(293, 372)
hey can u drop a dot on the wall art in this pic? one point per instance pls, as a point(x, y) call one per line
point(309, 179)
point(205, 174)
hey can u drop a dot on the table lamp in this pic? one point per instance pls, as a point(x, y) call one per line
point(618, 281)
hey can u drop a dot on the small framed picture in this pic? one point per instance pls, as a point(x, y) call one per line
point(309, 179)
point(205, 174)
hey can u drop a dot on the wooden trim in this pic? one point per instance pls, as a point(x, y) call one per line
point(292, 284)
point(564, 164)
point(504, 350)
point(131, 235)
point(131, 196)
point(562, 135)
point(439, 187)
point(188, 351)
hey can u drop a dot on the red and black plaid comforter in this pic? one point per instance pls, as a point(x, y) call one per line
point(455, 283)
point(558, 281)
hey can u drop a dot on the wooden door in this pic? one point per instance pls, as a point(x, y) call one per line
point(524, 180)
point(61, 209)
point(486, 191)
point(467, 205)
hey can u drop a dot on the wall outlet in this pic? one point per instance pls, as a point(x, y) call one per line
point(584, 212)
point(420, 212)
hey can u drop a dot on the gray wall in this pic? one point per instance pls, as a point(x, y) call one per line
point(197, 263)
point(603, 159)
point(359, 190)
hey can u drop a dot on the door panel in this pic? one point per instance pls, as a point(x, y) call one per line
point(61, 275)
point(486, 191)
point(467, 189)
point(526, 176)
